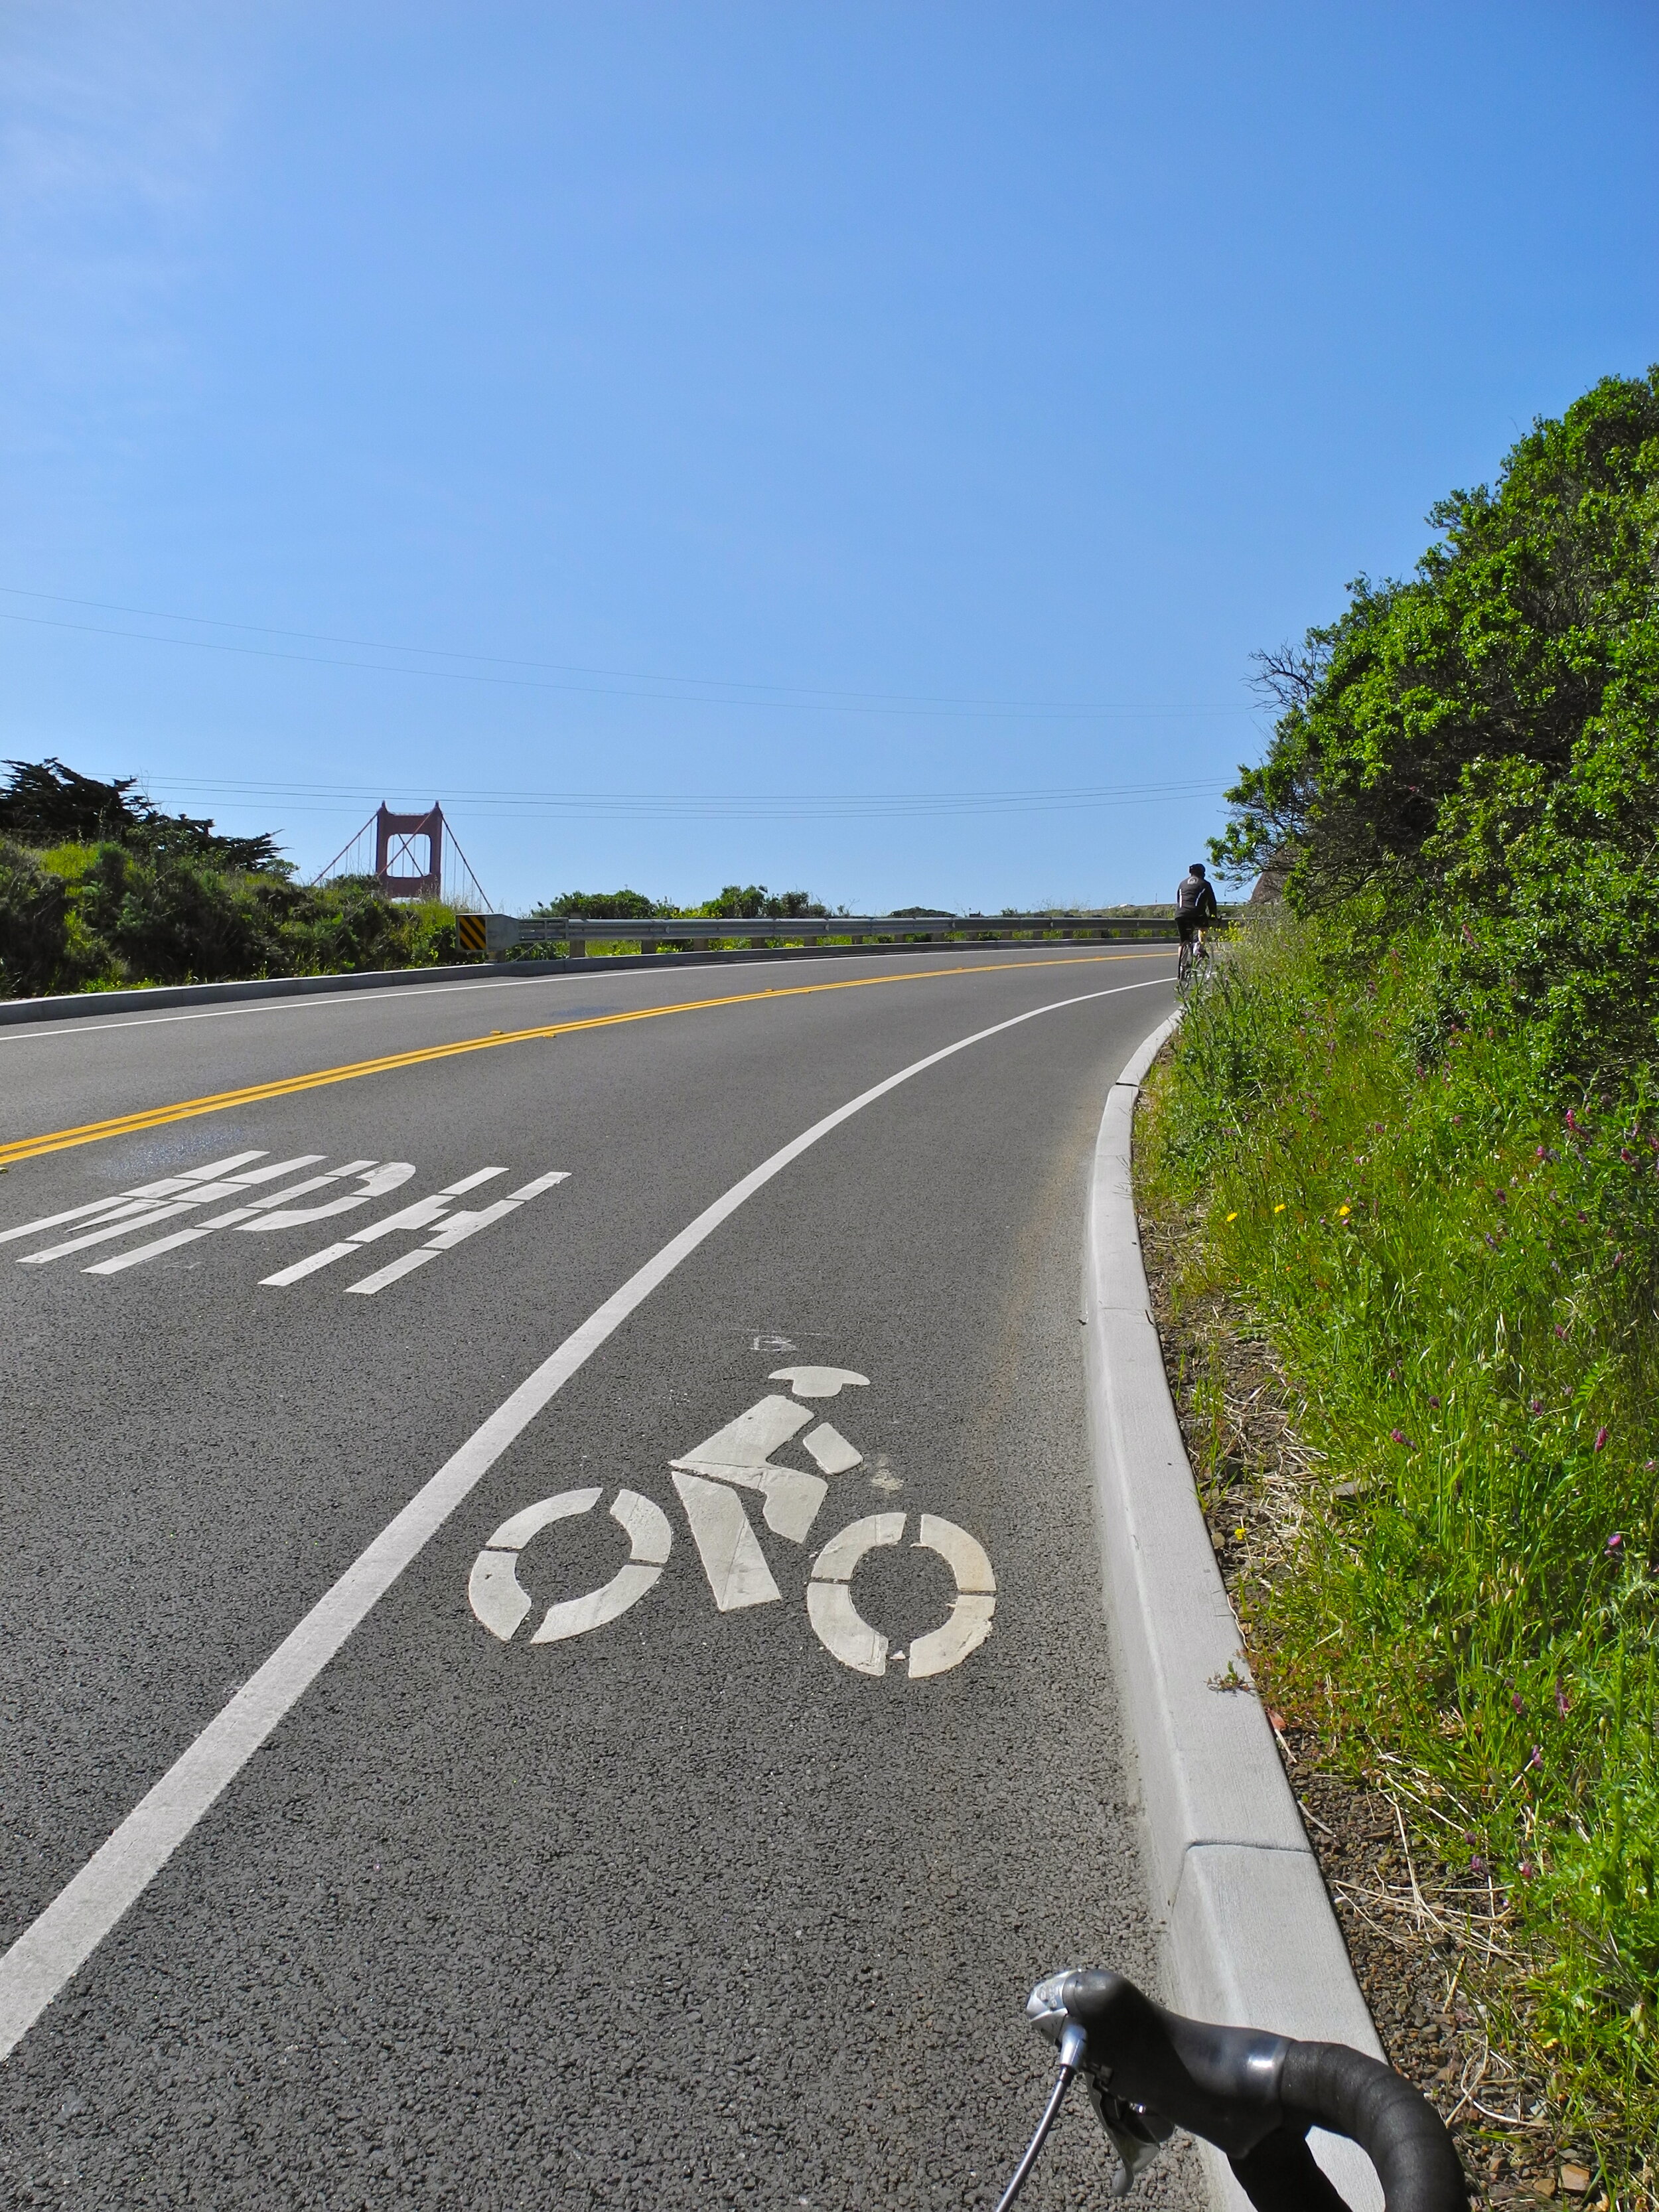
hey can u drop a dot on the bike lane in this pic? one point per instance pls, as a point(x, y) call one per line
point(680, 1906)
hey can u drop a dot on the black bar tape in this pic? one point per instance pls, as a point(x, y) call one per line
point(1327, 2085)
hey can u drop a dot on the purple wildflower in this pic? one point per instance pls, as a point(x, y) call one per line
point(1561, 1705)
point(1616, 1542)
point(1400, 1438)
point(1537, 1758)
point(1601, 1439)
point(1515, 1700)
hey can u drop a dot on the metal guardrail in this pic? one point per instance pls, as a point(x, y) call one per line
point(495, 934)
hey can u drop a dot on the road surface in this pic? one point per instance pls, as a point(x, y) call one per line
point(670, 1849)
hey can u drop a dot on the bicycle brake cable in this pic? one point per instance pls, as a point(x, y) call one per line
point(1073, 2044)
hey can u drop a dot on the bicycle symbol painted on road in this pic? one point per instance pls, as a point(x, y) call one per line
point(710, 1480)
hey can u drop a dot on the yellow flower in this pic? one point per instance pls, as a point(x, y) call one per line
point(1279, 1208)
point(1232, 1217)
point(1344, 1209)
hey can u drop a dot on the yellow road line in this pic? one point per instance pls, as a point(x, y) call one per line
point(221, 1102)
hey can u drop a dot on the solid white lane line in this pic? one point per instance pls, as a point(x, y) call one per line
point(58, 1941)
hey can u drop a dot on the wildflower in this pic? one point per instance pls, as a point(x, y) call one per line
point(1434, 1402)
point(1561, 1705)
point(1477, 1864)
point(1232, 1217)
point(1534, 1405)
point(1537, 1758)
point(1279, 1208)
point(1400, 1438)
point(1560, 1331)
point(1514, 1700)
point(1601, 1439)
point(1491, 1240)
point(1572, 1119)
point(1525, 1870)
point(1627, 1155)
point(1615, 1543)
point(1342, 1211)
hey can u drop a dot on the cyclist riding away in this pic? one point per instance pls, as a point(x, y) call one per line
point(1195, 909)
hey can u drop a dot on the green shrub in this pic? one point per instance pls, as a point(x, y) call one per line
point(1481, 741)
point(33, 922)
point(1461, 1275)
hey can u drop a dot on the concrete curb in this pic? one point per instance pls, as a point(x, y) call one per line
point(82, 1006)
point(1250, 1937)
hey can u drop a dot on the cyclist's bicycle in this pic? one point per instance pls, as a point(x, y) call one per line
point(1254, 2096)
point(1193, 960)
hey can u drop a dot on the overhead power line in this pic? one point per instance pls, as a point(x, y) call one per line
point(751, 806)
point(606, 683)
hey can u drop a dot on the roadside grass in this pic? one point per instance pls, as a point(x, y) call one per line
point(1459, 1275)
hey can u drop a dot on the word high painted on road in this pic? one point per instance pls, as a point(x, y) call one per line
point(258, 1210)
point(709, 1478)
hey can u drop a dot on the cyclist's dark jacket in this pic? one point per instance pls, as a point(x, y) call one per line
point(1195, 899)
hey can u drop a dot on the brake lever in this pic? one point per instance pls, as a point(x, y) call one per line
point(1136, 2135)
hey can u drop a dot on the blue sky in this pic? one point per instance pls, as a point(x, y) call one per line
point(807, 443)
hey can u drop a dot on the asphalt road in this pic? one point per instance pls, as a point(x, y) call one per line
point(681, 1909)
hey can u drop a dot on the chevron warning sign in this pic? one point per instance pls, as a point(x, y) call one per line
point(470, 929)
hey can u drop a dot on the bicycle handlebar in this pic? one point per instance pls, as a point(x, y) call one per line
point(1254, 2095)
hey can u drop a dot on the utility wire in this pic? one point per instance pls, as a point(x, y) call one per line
point(691, 689)
point(800, 806)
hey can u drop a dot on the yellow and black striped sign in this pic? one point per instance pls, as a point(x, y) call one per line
point(470, 929)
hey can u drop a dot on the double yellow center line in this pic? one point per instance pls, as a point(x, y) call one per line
point(221, 1102)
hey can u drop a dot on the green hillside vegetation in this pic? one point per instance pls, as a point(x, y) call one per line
point(1411, 1131)
point(99, 889)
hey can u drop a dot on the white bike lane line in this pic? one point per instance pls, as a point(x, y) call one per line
point(57, 1943)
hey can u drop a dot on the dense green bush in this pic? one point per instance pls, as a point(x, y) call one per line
point(1415, 1119)
point(99, 888)
point(1479, 742)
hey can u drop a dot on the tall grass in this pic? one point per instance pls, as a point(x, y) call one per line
point(1461, 1273)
